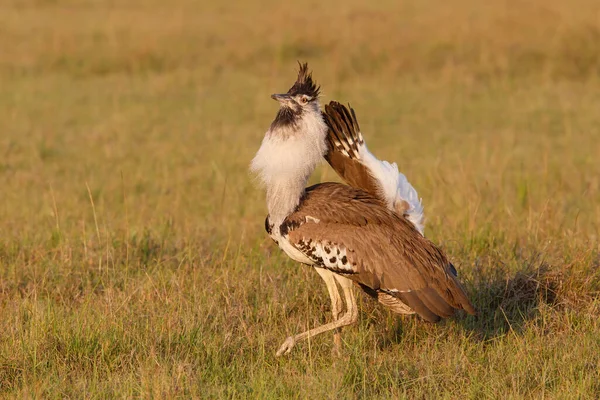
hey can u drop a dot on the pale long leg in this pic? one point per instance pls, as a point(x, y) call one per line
point(349, 317)
point(336, 303)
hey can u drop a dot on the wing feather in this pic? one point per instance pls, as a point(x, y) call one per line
point(384, 251)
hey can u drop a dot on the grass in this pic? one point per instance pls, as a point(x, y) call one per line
point(133, 261)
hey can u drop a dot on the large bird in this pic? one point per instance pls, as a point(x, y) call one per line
point(367, 233)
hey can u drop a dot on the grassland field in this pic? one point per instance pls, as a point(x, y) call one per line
point(133, 258)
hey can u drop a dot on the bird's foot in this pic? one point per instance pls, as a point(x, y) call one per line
point(286, 347)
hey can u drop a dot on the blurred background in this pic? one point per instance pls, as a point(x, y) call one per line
point(127, 127)
point(159, 107)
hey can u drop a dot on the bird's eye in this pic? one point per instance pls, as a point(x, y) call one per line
point(304, 99)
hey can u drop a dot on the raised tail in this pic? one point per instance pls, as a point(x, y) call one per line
point(349, 156)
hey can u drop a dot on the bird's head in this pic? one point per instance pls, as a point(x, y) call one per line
point(300, 103)
point(295, 142)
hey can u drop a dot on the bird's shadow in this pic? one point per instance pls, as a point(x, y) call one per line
point(508, 300)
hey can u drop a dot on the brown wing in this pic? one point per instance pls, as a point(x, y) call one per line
point(344, 140)
point(352, 233)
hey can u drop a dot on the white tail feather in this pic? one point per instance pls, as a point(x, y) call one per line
point(395, 187)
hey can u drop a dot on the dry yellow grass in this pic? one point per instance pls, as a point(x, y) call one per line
point(133, 260)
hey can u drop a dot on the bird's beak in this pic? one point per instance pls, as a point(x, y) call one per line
point(282, 98)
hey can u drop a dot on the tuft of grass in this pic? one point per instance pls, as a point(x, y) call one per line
point(133, 261)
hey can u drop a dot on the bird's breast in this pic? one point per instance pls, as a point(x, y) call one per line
point(289, 249)
point(279, 234)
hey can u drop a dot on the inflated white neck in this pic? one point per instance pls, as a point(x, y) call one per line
point(287, 157)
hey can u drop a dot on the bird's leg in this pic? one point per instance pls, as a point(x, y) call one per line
point(336, 304)
point(349, 317)
point(348, 289)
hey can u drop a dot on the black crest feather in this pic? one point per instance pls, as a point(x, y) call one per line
point(305, 84)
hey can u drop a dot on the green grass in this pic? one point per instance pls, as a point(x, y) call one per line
point(133, 261)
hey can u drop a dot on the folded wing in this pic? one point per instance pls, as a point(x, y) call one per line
point(351, 233)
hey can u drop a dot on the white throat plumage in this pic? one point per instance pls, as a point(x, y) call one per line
point(286, 158)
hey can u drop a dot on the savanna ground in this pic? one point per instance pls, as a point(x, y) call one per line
point(133, 261)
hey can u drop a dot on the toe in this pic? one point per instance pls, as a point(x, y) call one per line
point(286, 347)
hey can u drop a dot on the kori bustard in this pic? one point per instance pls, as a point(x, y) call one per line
point(367, 233)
